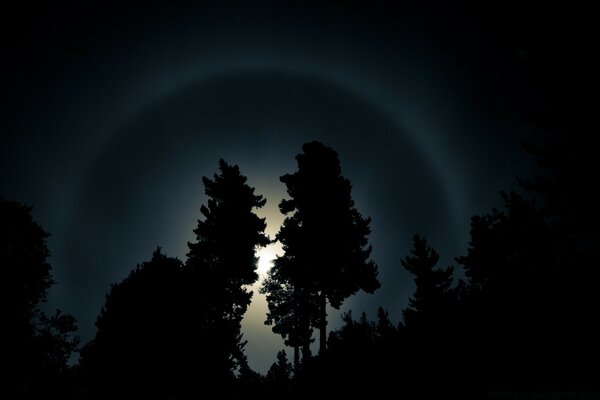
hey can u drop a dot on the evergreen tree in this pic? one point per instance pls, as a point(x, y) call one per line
point(323, 236)
point(386, 331)
point(360, 351)
point(222, 262)
point(36, 347)
point(532, 271)
point(140, 342)
point(281, 370)
point(427, 336)
point(248, 384)
point(432, 293)
point(173, 330)
point(293, 308)
point(519, 260)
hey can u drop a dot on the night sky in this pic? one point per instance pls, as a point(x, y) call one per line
point(111, 114)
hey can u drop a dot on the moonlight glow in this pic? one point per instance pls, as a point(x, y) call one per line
point(266, 255)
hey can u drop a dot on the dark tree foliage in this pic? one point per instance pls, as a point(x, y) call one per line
point(220, 266)
point(569, 207)
point(248, 383)
point(37, 347)
point(171, 330)
point(509, 302)
point(280, 373)
point(24, 257)
point(524, 317)
point(222, 261)
point(355, 335)
point(427, 334)
point(385, 329)
point(529, 305)
point(323, 235)
point(227, 239)
point(139, 347)
point(55, 340)
point(432, 297)
point(568, 166)
point(360, 361)
point(293, 308)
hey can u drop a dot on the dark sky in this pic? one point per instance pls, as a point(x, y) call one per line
point(112, 113)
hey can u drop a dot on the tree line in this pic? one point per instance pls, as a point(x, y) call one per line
point(521, 315)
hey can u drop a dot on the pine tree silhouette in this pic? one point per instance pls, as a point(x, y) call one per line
point(172, 330)
point(432, 294)
point(293, 309)
point(529, 304)
point(323, 236)
point(37, 347)
point(427, 334)
point(222, 261)
point(227, 239)
point(281, 370)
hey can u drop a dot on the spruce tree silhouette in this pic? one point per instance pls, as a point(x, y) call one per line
point(386, 331)
point(432, 295)
point(281, 370)
point(228, 236)
point(324, 235)
point(426, 333)
point(222, 260)
point(248, 384)
point(36, 347)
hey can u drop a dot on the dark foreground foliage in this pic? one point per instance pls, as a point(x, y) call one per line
point(522, 314)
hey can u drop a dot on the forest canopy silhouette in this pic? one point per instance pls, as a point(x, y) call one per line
point(518, 311)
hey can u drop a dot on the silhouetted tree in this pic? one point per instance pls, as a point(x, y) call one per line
point(427, 336)
point(432, 295)
point(36, 348)
point(228, 236)
point(281, 370)
point(324, 234)
point(356, 335)
point(529, 305)
point(564, 182)
point(293, 307)
point(386, 331)
point(504, 267)
point(172, 330)
point(222, 261)
point(139, 346)
point(361, 360)
point(55, 340)
point(24, 258)
point(248, 384)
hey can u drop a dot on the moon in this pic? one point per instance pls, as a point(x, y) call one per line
point(265, 256)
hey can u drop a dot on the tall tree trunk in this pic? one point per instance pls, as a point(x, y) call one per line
point(322, 323)
point(305, 326)
point(306, 349)
point(296, 359)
